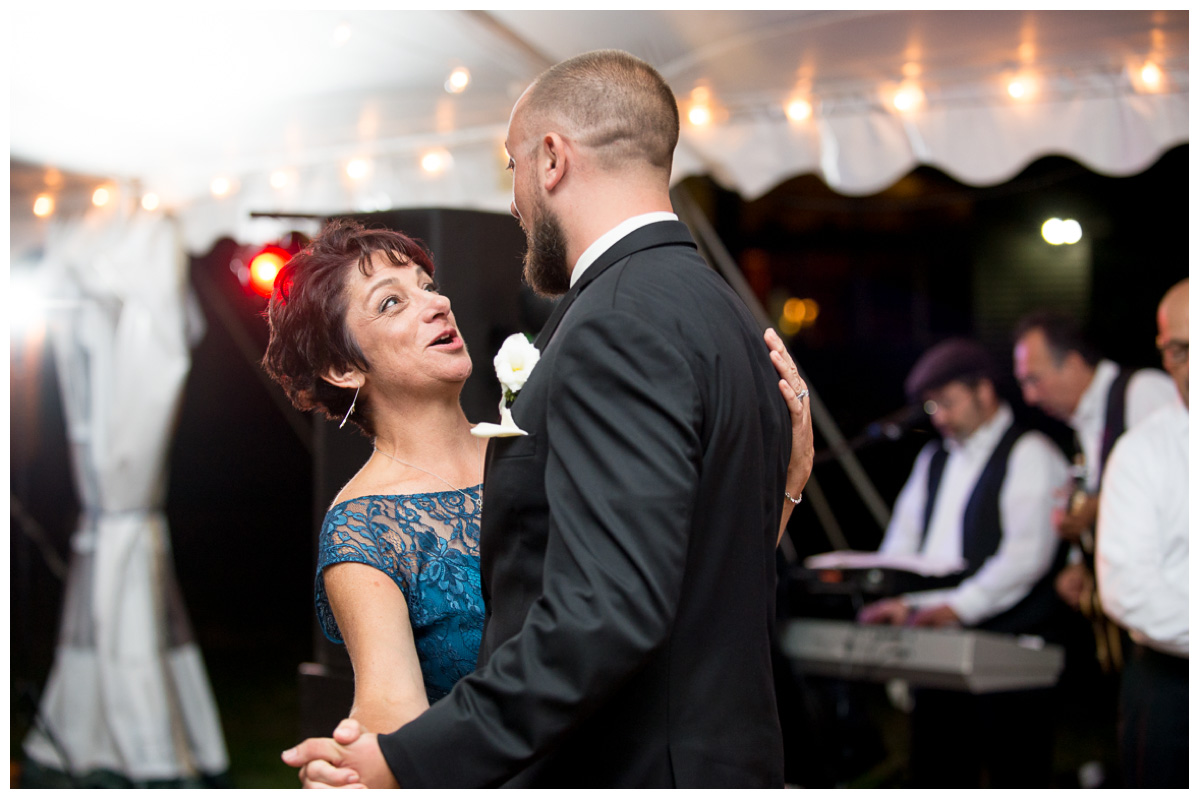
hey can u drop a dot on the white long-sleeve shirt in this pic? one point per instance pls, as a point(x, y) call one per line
point(1148, 390)
point(1142, 539)
point(1028, 541)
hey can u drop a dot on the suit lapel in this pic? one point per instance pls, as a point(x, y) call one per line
point(657, 234)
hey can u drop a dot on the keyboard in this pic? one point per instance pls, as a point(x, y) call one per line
point(962, 660)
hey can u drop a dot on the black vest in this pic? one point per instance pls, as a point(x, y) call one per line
point(1114, 415)
point(1037, 611)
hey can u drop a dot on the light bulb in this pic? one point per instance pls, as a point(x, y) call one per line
point(43, 205)
point(700, 115)
point(458, 80)
point(798, 110)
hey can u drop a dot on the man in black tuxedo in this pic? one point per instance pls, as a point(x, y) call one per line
point(628, 544)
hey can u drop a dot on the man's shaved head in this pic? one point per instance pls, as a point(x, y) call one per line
point(609, 101)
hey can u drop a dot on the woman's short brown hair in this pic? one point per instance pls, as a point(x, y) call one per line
point(307, 315)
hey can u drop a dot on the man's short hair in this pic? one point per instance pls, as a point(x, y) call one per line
point(613, 102)
point(1063, 335)
point(963, 360)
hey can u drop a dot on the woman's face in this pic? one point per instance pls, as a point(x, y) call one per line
point(405, 329)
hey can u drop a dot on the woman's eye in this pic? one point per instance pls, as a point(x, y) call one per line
point(510, 165)
point(432, 287)
point(389, 302)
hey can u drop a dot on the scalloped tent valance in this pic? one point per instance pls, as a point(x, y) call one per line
point(277, 105)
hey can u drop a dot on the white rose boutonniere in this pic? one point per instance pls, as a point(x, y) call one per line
point(515, 360)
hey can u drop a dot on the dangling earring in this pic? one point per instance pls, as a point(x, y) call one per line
point(351, 410)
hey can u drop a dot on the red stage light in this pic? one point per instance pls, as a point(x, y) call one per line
point(265, 266)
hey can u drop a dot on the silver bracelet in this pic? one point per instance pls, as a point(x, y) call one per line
point(794, 500)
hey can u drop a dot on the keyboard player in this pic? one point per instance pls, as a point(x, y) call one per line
point(983, 494)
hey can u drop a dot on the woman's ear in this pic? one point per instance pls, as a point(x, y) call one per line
point(349, 378)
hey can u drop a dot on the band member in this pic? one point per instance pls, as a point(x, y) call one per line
point(1061, 373)
point(983, 494)
point(1142, 567)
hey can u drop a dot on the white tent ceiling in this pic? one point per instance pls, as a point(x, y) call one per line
point(174, 98)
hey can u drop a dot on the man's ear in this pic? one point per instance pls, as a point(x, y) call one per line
point(987, 390)
point(349, 378)
point(555, 158)
point(1075, 361)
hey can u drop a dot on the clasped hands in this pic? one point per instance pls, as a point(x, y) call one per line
point(894, 611)
point(350, 760)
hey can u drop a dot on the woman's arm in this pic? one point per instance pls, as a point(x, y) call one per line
point(790, 385)
point(373, 618)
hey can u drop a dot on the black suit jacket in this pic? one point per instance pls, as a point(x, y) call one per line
point(627, 548)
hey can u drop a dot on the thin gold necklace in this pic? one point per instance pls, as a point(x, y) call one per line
point(434, 474)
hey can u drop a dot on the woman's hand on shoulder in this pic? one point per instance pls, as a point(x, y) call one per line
point(795, 394)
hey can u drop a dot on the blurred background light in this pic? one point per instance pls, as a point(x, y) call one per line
point(342, 34)
point(358, 168)
point(101, 196)
point(1072, 231)
point(150, 201)
point(458, 80)
point(1152, 75)
point(798, 110)
point(907, 98)
point(43, 205)
point(264, 267)
point(1061, 231)
point(436, 161)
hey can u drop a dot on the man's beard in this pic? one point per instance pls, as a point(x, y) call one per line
point(546, 269)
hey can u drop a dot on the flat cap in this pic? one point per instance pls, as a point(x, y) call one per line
point(952, 360)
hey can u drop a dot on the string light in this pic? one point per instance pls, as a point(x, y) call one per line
point(458, 80)
point(150, 201)
point(220, 186)
point(43, 205)
point(358, 168)
point(798, 110)
point(1152, 75)
point(101, 196)
point(436, 161)
point(700, 116)
point(279, 179)
point(700, 113)
point(907, 98)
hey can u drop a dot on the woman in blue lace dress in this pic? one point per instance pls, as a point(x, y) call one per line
point(360, 332)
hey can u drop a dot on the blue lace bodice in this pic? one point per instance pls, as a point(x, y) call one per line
point(429, 545)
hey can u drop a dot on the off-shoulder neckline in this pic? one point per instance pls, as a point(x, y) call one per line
point(476, 487)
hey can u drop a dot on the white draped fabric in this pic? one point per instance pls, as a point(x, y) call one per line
point(128, 692)
point(1110, 131)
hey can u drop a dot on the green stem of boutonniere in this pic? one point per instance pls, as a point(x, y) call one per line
point(509, 397)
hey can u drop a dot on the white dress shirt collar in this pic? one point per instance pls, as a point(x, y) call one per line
point(597, 248)
point(985, 437)
point(1090, 410)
